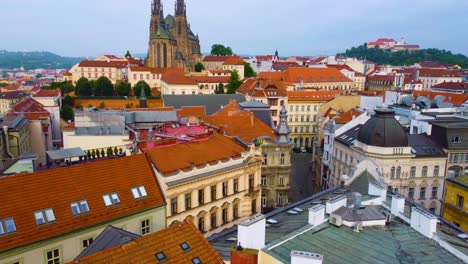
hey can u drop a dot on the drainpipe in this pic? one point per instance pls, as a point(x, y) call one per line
point(7, 142)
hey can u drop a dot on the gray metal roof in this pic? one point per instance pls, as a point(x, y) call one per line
point(254, 104)
point(109, 238)
point(368, 213)
point(383, 130)
point(65, 153)
point(151, 117)
point(424, 145)
point(212, 103)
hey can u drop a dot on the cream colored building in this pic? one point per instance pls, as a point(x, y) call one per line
point(431, 77)
point(215, 181)
point(115, 71)
point(152, 76)
point(9, 99)
point(412, 165)
point(63, 219)
point(303, 108)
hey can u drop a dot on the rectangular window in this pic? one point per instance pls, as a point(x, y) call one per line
point(264, 180)
point(434, 193)
point(201, 224)
point(460, 201)
point(280, 199)
point(145, 227)
point(79, 207)
point(173, 206)
point(213, 193)
point(254, 206)
point(264, 200)
point(213, 220)
point(7, 226)
point(251, 182)
point(139, 192)
point(225, 216)
point(281, 180)
point(53, 256)
point(111, 199)
point(44, 216)
point(411, 193)
point(86, 242)
point(235, 211)
point(201, 196)
point(225, 189)
point(422, 193)
point(188, 201)
point(236, 185)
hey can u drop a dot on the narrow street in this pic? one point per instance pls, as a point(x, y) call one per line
point(302, 178)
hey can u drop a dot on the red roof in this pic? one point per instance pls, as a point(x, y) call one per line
point(103, 64)
point(311, 75)
point(146, 69)
point(210, 79)
point(456, 99)
point(346, 117)
point(340, 67)
point(452, 86)
point(234, 60)
point(216, 58)
point(426, 72)
point(48, 93)
point(263, 88)
point(312, 96)
point(57, 188)
point(265, 58)
point(32, 109)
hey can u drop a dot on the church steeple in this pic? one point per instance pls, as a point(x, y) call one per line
point(180, 8)
point(157, 8)
point(283, 131)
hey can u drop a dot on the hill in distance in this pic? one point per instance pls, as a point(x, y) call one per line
point(35, 60)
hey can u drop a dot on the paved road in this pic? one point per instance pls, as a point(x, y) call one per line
point(301, 180)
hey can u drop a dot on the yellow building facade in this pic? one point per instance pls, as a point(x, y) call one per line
point(455, 206)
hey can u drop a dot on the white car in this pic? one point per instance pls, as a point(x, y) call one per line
point(303, 150)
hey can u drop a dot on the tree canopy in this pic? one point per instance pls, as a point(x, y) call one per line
point(104, 87)
point(137, 88)
point(234, 82)
point(248, 71)
point(123, 89)
point(221, 50)
point(83, 87)
point(402, 58)
point(128, 54)
point(67, 113)
point(219, 88)
point(199, 67)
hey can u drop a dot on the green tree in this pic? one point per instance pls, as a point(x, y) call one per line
point(128, 55)
point(123, 89)
point(109, 151)
point(93, 153)
point(83, 87)
point(98, 153)
point(103, 153)
point(104, 87)
point(67, 100)
point(137, 88)
point(234, 82)
point(116, 151)
point(248, 71)
point(220, 50)
point(67, 113)
point(199, 67)
point(219, 88)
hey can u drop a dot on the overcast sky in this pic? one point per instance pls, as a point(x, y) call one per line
point(294, 27)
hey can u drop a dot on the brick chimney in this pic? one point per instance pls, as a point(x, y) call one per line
point(241, 255)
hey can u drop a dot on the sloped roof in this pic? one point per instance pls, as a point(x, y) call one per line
point(57, 188)
point(48, 93)
point(234, 60)
point(263, 88)
point(215, 148)
point(168, 241)
point(346, 117)
point(427, 72)
point(212, 103)
point(455, 99)
point(103, 64)
point(311, 96)
point(31, 109)
point(308, 75)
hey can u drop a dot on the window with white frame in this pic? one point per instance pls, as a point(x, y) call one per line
point(44, 216)
point(79, 207)
point(53, 256)
point(111, 199)
point(145, 227)
point(7, 226)
point(139, 192)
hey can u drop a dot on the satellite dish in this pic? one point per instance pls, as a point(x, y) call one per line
point(423, 102)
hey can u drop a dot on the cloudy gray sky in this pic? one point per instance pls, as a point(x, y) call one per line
point(294, 27)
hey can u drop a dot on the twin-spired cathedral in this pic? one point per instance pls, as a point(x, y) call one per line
point(172, 42)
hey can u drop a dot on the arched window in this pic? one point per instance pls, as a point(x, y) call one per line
point(436, 171)
point(165, 55)
point(282, 159)
point(392, 173)
point(424, 172)
point(413, 172)
point(398, 172)
point(158, 54)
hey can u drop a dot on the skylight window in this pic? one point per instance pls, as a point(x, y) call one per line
point(111, 199)
point(44, 216)
point(79, 207)
point(139, 192)
point(185, 246)
point(7, 226)
point(160, 256)
point(196, 260)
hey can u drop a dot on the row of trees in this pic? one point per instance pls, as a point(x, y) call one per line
point(381, 56)
point(101, 153)
point(104, 87)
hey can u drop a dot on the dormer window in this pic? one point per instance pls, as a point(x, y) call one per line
point(44, 216)
point(185, 246)
point(160, 256)
point(7, 226)
point(111, 199)
point(456, 139)
point(79, 207)
point(139, 192)
point(196, 260)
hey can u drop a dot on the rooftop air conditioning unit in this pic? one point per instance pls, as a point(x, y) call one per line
point(336, 220)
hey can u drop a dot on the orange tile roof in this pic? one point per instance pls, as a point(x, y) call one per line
point(346, 117)
point(233, 60)
point(265, 58)
point(295, 96)
point(311, 75)
point(240, 123)
point(263, 88)
point(272, 76)
point(188, 111)
point(168, 241)
point(57, 188)
point(456, 99)
point(178, 78)
point(146, 69)
point(210, 79)
point(195, 154)
point(216, 58)
point(32, 109)
point(104, 64)
point(438, 73)
point(48, 93)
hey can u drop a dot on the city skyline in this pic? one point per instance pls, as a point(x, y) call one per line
point(250, 27)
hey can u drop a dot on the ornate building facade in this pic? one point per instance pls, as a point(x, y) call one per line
point(172, 43)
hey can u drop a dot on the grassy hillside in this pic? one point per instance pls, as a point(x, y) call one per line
point(35, 59)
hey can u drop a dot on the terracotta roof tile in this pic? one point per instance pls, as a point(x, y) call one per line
point(215, 148)
point(168, 241)
point(216, 58)
point(438, 73)
point(456, 99)
point(188, 111)
point(263, 88)
point(210, 79)
point(32, 109)
point(296, 96)
point(308, 75)
point(57, 188)
point(103, 64)
point(117, 103)
point(346, 117)
point(233, 60)
point(48, 93)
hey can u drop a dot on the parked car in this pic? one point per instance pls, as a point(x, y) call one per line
point(303, 150)
point(297, 150)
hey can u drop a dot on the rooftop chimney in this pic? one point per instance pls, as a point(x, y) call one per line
point(423, 222)
point(398, 205)
point(301, 257)
point(316, 214)
point(251, 232)
point(335, 204)
point(240, 255)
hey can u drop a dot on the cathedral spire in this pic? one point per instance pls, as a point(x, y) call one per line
point(157, 8)
point(180, 8)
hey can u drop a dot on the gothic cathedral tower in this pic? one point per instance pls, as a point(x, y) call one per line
point(172, 42)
